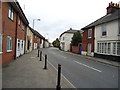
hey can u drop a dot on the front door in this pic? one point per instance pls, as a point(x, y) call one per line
point(89, 49)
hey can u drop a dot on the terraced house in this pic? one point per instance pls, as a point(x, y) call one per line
point(12, 35)
point(102, 37)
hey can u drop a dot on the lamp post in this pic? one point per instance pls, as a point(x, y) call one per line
point(34, 21)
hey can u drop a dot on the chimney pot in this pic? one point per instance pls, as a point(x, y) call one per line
point(112, 7)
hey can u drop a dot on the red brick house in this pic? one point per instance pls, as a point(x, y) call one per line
point(12, 30)
point(88, 41)
point(37, 39)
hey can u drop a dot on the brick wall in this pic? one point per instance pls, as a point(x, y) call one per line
point(86, 40)
point(8, 30)
point(76, 49)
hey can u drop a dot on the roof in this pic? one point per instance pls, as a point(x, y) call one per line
point(36, 33)
point(105, 19)
point(19, 10)
point(70, 31)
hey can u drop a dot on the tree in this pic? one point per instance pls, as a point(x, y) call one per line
point(77, 38)
point(56, 43)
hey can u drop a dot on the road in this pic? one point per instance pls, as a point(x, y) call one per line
point(81, 72)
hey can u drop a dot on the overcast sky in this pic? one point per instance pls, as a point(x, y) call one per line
point(58, 16)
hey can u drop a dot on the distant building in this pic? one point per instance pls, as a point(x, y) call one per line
point(65, 39)
point(38, 40)
point(102, 37)
point(29, 40)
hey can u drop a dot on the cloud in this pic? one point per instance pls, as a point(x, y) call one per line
point(58, 16)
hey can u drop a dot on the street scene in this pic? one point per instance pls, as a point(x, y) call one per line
point(60, 44)
point(80, 72)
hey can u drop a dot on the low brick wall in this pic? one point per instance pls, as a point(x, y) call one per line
point(75, 49)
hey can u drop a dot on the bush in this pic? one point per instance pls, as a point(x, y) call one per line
point(76, 39)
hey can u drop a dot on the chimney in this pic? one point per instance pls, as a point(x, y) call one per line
point(70, 28)
point(112, 7)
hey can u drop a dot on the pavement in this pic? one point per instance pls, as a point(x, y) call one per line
point(27, 72)
point(109, 62)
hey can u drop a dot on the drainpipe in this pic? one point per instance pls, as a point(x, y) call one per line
point(16, 35)
point(25, 37)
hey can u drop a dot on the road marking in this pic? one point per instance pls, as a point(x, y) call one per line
point(61, 73)
point(88, 66)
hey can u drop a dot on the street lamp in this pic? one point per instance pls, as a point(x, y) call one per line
point(34, 20)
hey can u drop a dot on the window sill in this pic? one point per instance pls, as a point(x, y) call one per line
point(11, 19)
point(1, 52)
point(103, 36)
point(9, 50)
point(89, 37)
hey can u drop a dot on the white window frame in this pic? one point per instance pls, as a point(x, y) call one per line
point(104, 30)
point(89, 48)
point(1, 43)
point(18, 45)
point(108, 48)
point(114, 48)
point(11, 13)
point(23, 27)
point(9, 48)
point(89, 33)
point(118, 49)
point(19, 21)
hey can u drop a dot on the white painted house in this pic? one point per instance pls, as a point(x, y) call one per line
point(65, 39)
point(107, 34)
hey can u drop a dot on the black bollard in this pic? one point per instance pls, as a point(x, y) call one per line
point(38, 52)
point(45, 67)
point(58, 87)
point(40, 55)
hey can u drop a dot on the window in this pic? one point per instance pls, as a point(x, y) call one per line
point(63, 38)
point(23, 27)
point(105, 48)
point(11, 13)
point(89, 47)
point(118, 48)
point(114, 48)
point(102, 47)
point(19, 21)
point(22, 45)
point(0, 43)
point(109, 45)
point(9, 43)
point(89, 33)
point(98, 47)
point(18, 45)
point(103, 28)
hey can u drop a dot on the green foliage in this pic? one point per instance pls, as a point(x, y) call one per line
point(56, 43)
point(77, 38)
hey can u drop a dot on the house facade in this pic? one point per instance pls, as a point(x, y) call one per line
point(21, 35)
point(65, 39)
point(29, 40)
point(11, 12)
point(38, 40)
point(88, 41)
point(106, 35)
